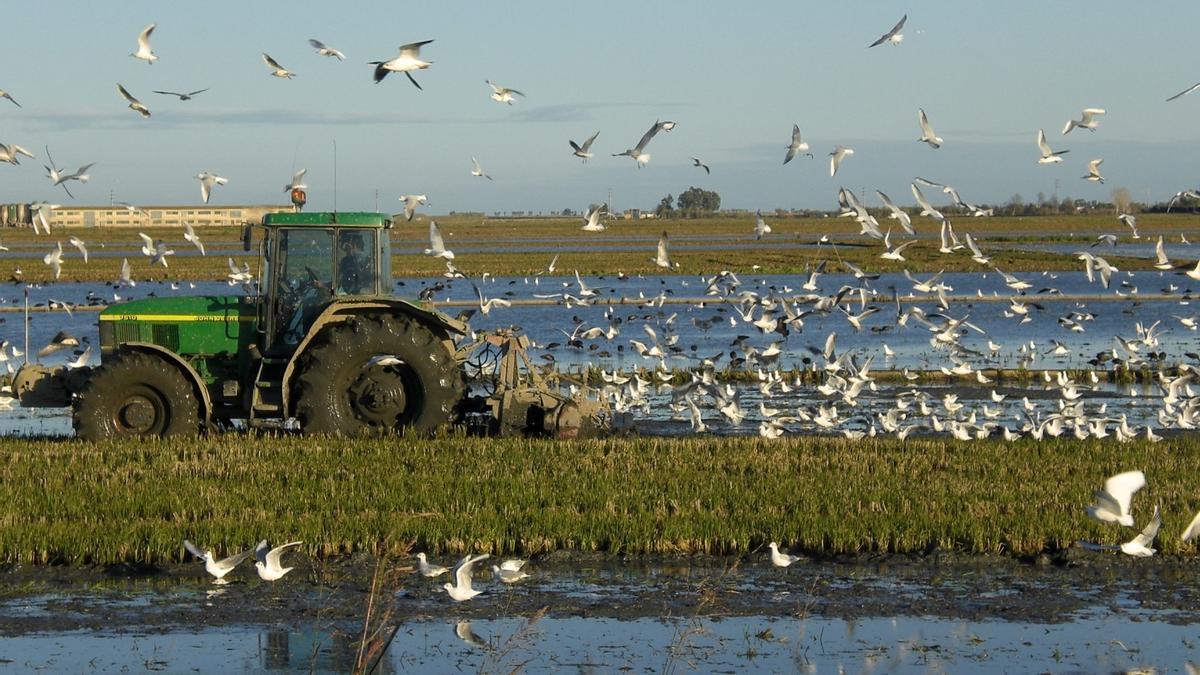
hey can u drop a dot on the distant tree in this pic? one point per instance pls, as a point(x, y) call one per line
point(695, 202)
point(1122, 200)
point(568, 212)
point(665, 207)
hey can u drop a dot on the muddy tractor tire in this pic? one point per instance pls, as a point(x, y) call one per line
point(136, 395)
point(377, 374)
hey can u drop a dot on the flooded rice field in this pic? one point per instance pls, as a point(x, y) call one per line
point(897, 615)
point(766, 326)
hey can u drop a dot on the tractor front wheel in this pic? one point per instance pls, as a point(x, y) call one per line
point(376, 374)
point(139, 395)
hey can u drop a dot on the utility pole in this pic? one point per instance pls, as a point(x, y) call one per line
point(1056, 195)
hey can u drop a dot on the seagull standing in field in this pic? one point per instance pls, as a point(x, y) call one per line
point(134, 104)
point(408, 60)
point(427, 570)
point(410, 204)
point(835, 158)
point(797, 147)
point(893, 36)
point(638, 152)
point(437, 247)
point(276, 69)
point(781, 558)
point(696, 162)
point(584, 151)
point(1093, 174)
point(760, 226)
point(477, 170)
point(1048, 156)
point(927, 135)
point(510, 571)
point(217, 568)
point(461, 589)
point(297, 181)
point(502, 94)
point(5, 94)
point(325, 51)
point(1113, 502)
point(207, 181)
point(190, 235)
point(268, 564)
point(144, 52)
point(1086, 120)
point(182, 96)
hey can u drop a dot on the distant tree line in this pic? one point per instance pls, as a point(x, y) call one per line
point(691, 203)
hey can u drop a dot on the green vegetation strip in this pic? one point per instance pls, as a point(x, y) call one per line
point(67, 501)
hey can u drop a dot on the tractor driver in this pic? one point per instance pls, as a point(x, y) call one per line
point(356, 270)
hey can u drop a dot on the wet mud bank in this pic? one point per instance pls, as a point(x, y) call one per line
point(335, 594)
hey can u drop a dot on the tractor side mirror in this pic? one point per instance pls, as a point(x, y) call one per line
point(247, 234)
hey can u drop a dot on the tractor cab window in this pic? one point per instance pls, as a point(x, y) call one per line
point(356, 262)
point(304, 280)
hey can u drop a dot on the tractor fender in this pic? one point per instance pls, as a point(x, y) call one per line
point(340, 311)
point(185, 367)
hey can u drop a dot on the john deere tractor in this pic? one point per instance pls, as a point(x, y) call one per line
point(321, 342)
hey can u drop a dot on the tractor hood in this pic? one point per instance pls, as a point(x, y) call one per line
point(196, 325)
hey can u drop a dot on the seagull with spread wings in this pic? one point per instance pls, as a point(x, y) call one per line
point(638, 152)
point(1048, 156)
point(408, 60)
point(134, 104)
point(144, 52)
point(276, 69)
point(797, 147)
point(326, 51)
point(583, 151)
point(893, 36)
point(502, 94)
point(182, 96)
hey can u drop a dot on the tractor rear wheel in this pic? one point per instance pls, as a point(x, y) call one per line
point(376, 374)
point(136, 394)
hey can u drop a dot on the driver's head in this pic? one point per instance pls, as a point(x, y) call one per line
point(354, 243)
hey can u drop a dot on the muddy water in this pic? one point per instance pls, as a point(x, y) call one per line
point(1073, 613)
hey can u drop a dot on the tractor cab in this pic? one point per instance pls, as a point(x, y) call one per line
point(311, 260)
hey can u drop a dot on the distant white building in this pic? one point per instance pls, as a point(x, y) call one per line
point(17, 215)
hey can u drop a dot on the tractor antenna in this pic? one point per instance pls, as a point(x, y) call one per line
point(335, 175)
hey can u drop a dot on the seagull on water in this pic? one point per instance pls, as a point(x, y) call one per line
point(182, 96)
point(477, 170)
point(427, 570)
point(276, 69)
point(437, 247)
point(410, 204)
point(268, 563)
point(408, 60)
point(638, 152)
point(134, 104)
point(461, 589)
point(927, 135)
point(584, 151)
point(1086, 120)
point(797, 147)
point(1113, 502)
point(835, 158)
point(144, 52)
point(781, 558)
point(1094, 171)
point(1048, 155)
point(326, 51)
point(893, 36)
point(217, 568)
point(207, 181)
point(502, 94)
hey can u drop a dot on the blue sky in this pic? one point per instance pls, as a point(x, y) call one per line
point(734, 76)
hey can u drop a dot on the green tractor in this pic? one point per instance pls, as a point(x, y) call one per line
point(321, 344)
